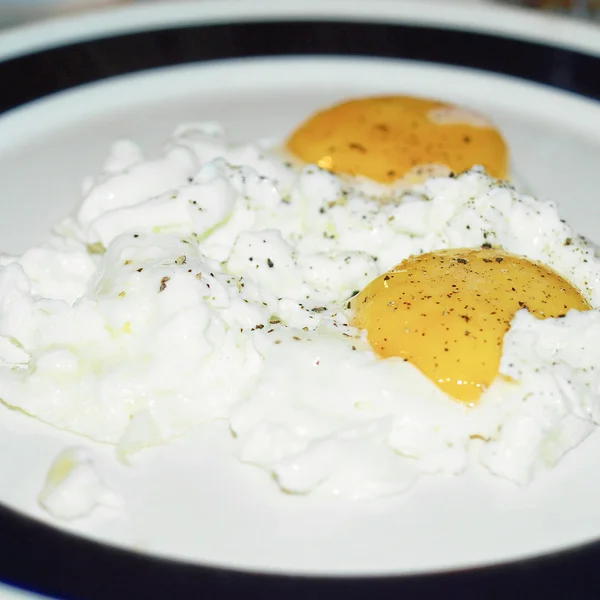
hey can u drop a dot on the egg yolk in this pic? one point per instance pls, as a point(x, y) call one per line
point(389, 138)
point(447, 312)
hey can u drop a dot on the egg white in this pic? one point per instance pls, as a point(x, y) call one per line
point(213, 283)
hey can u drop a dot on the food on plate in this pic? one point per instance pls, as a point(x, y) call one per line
point(447, 312)
point(73, 488)
point(221, 281)
point(392, 138)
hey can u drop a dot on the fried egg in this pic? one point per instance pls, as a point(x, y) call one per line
point(400, 137)
point(447, 312)
point(224, 282)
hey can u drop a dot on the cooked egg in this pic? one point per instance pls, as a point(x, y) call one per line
point(394, 137)
point(447, 312)
point(73, 488)
point(219, 288)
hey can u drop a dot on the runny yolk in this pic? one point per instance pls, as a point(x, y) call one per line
point(447, 312)
point(394, 137)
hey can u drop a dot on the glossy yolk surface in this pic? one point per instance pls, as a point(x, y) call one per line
point(447, 312)
point(393, 137)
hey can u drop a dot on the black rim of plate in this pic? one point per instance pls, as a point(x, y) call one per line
point(44, 559)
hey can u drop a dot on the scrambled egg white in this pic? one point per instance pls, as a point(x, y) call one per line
point(215, 282)
point(73, 488)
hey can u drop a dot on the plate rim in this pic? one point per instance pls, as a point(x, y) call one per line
point(551, 575)
point(508, 21)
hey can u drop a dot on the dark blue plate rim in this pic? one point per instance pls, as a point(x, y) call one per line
point(44, 559)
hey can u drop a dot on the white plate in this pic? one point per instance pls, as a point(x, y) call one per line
point(191, 500)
